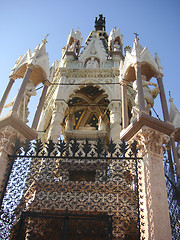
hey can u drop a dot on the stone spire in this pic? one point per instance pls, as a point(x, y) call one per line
point(137, 48)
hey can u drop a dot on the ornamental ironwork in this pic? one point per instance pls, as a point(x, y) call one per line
point(69, 188)
point(173, 193)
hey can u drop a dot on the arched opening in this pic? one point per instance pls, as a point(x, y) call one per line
point(87, 111)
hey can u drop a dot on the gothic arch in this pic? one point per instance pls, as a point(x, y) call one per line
point(72, 88)
point(85, 106)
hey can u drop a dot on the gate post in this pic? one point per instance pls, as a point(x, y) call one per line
point(153, 203)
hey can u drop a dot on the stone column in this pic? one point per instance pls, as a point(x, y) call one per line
point(163, 97)
point(22, 88)
point(40, 105)
point(6, 93)
point(141, 102)
point(57, 118)
point(123, 84)
point(115, 120)
point(154, 211)
point(112, 47)
point(75, 42)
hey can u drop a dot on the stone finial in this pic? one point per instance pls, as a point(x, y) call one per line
point(136, 35)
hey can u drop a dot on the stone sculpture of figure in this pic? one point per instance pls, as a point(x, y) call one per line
point(92, 63)
point(102, 122)
point(149, 95)
point(23, 111)
point(116, 46)
point(71, 48)
point(69, 122)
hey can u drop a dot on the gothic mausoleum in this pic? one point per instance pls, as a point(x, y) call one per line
point(96, 163)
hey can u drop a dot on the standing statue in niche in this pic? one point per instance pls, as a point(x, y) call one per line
point(117, 47)
point(92, 63)
point(102, 121)
point(69, 121)
point(23, 110)
point(149, 96)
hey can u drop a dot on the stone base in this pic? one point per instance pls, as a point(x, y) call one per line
point(143, 119)
point(83, 134)
point(11, 119)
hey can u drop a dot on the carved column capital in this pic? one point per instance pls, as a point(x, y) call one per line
point(159, 75)
point(13, 77)
point(47, 83)
point(114, 106)
point(59, 106)
point(30, 66)
point(150, 140)
point(123, 82)
point(136, 64)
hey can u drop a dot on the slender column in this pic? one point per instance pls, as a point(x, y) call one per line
point(6, 93)
point(141, 102)
point(163, 98)
point(75, 42)
point(112, 47)
point(40, 105)
point(22, 89)
point(124, 104)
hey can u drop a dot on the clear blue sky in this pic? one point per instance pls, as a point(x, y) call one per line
point(25, 23)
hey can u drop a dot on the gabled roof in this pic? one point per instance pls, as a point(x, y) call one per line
point(39, 57)
point(94, 48)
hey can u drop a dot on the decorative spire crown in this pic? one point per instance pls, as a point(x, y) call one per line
point(100, 23)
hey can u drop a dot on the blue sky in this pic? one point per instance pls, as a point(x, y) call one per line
point(25, 23)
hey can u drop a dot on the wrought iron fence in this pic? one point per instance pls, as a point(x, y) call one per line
point(173, 193)
point(80, 181)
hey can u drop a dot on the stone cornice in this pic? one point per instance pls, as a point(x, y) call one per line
point(98, 72)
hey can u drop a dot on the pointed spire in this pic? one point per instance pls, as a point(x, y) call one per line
point(137, 48)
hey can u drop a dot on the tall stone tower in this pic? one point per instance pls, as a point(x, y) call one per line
point(80, 186)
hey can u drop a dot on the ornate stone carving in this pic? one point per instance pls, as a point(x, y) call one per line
point(150, 140)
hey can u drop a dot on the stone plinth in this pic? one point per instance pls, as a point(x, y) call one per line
point(151, 134)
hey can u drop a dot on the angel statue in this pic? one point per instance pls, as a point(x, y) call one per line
point(149, 95)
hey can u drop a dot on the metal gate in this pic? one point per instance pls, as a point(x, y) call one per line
point(74, 190)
